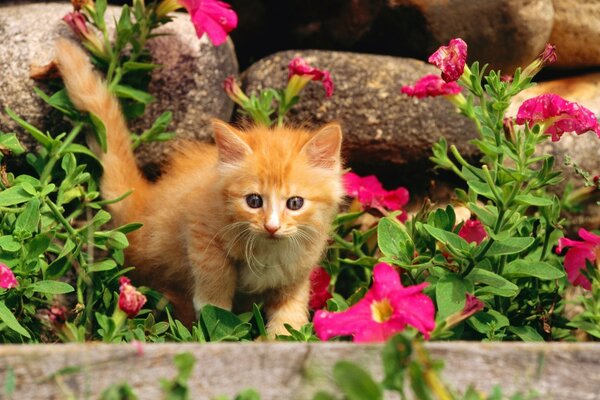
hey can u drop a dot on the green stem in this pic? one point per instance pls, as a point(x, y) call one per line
point(47, 171)
point(492, 185)
point(58, 215)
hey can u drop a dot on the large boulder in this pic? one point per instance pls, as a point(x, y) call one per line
point(189, 83)
point(383, 128)
point(576, 31)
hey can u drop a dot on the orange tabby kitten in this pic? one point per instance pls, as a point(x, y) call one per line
point(248, 215)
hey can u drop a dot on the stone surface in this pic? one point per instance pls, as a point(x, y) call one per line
point(505, 34)
point(576, 31)
point(189, 83)
point(584, 150)
point(382, 127)
point(291, 370)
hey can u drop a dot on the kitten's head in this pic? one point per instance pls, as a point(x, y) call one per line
point(280, 183)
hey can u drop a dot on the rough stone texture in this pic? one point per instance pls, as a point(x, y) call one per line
point(189, 84)
point(576, 31)
point(505, 34)
point(382, 127)
point(292, 370)
point(584, 149)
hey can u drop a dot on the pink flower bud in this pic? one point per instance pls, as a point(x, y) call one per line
point(130, 300)
point(77, 23)
point(319, 288)
point(7, 278)
point(234, 92)
point(298, 66)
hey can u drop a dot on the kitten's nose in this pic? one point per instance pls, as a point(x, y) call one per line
point(272, 228)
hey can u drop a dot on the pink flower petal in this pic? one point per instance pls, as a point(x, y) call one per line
point(130, 300)
point(319, 288)
point(566, 116)
point(299, 66)
point(577, 254)
point(431, 86)
point(7, 278)
point(451, 59)
point(215, 18)
point(473, 231)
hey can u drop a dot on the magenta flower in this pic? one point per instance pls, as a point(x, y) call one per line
point(213, 17)
point(371, 194)
point(299, 68)
point(450, 59)
point(547, 56)
point(578, 253)
point(319, 288)
point(472, 231)
point(77, 22)
point(561, 115)
point(431, 86)
point(385, 310)
point(7, 278)
point(130, 300)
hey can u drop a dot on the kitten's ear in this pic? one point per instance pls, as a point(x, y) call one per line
point(323, 149)
point(232, 149)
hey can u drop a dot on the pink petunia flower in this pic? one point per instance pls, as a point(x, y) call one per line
point(547, 56)
point(319, 288)
point(560, 115)
point(300, 73)
point(450, 59)
point(431, 86)
point(7, 278)
point(578, 253)
point(371, 194)
point(472, 231)
point(130, 300)
point(213, 17)
point(385, 310)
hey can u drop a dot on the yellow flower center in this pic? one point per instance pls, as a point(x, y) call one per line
point(381, 310)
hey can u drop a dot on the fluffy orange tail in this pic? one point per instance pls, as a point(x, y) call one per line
point(88, 93)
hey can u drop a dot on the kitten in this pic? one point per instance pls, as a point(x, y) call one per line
point(249, 215)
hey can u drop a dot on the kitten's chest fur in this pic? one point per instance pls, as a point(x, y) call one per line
point(271, 264)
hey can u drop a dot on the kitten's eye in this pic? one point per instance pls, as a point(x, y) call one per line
point(254, 200)
point(295, 203)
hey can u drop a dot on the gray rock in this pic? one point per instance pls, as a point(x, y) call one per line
point(505, 34)
point(576, 31)
point(382, 127)
point(189, 83)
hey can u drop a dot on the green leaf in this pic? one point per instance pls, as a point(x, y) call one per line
point(450, 239)
point(450, 295)
point(394, 241)
point(495, 283)
point(14, 195)
point(260, 322)
point(51, 287)
point(484, 321)
point(220, 323)
point(29, 219)
point(59, 100)
point(104, 265)
point(355, 382)
point(481, 188)
point(100, 131)
point(526, 333)
point(9, 244)
point(527, 268)
point(79, 149)
point(38, 135)
point(10, 142)
point(134, 94)
point(248, 394)
point(396, 356)
point(509, 246)
point(9, 319)
point(532, 200)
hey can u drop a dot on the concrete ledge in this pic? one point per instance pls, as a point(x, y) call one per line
point(290, 370)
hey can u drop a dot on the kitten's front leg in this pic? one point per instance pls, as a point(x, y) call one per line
point(215, 281)
point(287, 305)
